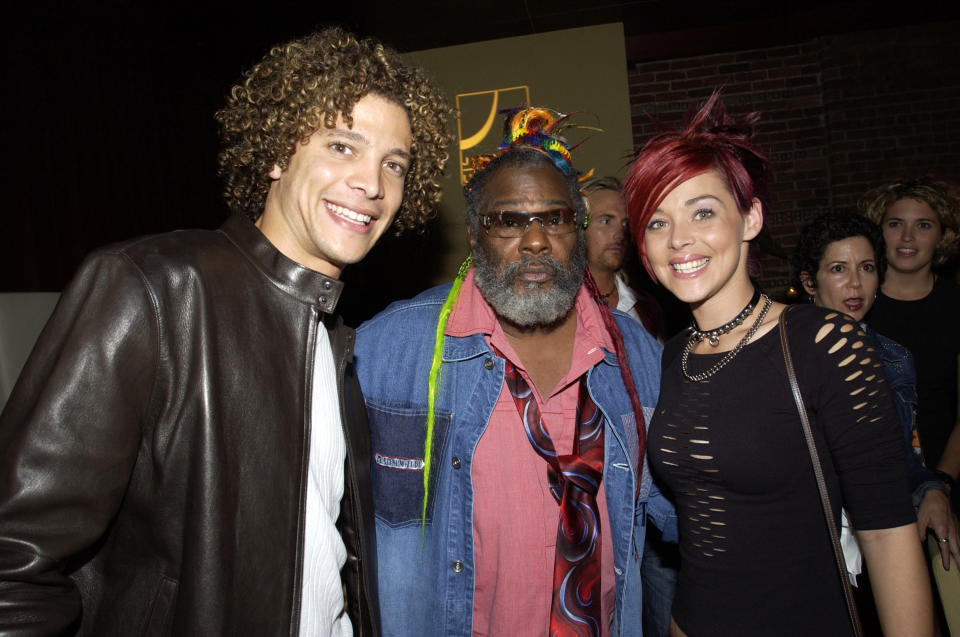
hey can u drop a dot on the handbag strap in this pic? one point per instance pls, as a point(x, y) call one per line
point(821, 485)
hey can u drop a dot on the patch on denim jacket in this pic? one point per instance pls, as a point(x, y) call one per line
point(403, 464)
point(396, 443)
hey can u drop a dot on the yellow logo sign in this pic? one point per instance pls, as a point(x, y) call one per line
point(476, 119)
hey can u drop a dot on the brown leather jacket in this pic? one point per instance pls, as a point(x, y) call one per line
point(153, 454)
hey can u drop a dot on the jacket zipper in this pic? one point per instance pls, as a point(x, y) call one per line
point(304, 467)
point(354, 487)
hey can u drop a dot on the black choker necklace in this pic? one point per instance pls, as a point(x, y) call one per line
point(713, 336)
point(729, 356)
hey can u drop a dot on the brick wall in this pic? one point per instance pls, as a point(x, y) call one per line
point(893, 106)
point(841, 114)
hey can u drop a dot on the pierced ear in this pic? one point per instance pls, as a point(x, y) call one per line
point(809, 283)
point(275, 172)
point(753, 220)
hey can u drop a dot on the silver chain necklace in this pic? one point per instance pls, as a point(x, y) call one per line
point(729, 355)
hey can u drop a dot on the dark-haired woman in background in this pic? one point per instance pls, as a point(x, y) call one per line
point(726, 438)
point(840, 260)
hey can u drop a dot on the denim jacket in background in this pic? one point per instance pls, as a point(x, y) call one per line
point(426, 574)
point(902, 377)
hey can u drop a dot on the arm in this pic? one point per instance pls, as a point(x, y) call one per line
point(935, 512)
point(950, 461)
point(930, 495)
point(68, 440)
point(898, 575)
point(935, 516)
point(866, 442)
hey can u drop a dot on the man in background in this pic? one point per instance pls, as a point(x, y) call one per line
point(608, 240)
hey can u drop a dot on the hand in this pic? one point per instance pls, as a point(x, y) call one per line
point(936, 517)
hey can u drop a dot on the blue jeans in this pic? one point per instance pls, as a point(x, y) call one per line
point(658, 572)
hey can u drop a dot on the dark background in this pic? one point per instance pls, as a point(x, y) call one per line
point(109, 129)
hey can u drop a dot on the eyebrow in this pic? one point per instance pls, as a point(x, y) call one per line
point(520, 202)
point(845, 261)
point(361, 139)
point(916, 219)
point(690, 202)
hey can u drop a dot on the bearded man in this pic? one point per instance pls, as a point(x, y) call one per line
point(508, 420)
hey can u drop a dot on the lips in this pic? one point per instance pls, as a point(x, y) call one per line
point(349, 215)
point(690, 266)
point(535, 275)
point(531, 273)
point(906, 252)
point(854, 304)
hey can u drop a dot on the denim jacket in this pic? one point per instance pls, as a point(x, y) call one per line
point(902, 377)
point(426, 573)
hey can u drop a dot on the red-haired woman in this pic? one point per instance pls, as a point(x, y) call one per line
point(726, 437)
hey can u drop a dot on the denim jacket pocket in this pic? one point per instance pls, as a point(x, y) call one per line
point(397, 437)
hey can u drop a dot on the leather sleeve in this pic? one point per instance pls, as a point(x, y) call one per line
point(69, 437)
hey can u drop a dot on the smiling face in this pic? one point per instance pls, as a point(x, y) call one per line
point(912, 231)
point(696, 242)
point(531, 280)
point(607, 233)
point(342, 188)
point(847, 278)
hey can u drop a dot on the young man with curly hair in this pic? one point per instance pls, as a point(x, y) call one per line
point(186, 451)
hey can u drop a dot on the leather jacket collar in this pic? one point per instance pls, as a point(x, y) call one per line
point(307, 285)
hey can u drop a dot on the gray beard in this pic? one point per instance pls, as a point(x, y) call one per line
point(529, 306)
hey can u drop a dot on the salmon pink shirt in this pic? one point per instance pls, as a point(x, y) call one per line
point(515, 516)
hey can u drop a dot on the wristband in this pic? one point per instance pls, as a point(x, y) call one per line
point(946, 478)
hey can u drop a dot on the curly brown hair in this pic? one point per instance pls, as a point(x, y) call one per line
point(306, 83)
point(936, 194)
